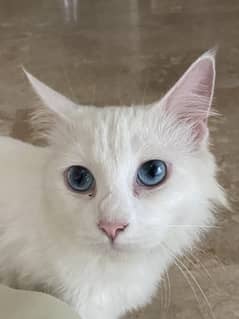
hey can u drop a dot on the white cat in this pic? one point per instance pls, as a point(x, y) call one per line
point(97, 216)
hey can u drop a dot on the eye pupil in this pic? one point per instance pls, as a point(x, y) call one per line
point(79, 179)
point(154, 170)
point(152, 173)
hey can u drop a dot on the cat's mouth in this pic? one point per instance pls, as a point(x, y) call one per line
point(109, 247)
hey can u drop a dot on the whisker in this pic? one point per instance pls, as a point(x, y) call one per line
point(187, 278)
point(165, 300)
point(193, 278)
point(202, 251)
point(188, 281)
point(209, 275)
point(198, 261)
point(157, 224)
point(203, 269)
point(169, 291)
point(161, 296)
point(200, 226)
point(200, 288)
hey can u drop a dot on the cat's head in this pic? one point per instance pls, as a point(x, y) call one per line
point(133, 178)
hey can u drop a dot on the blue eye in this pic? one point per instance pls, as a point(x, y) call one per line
point(152, 173)
point(79, 179)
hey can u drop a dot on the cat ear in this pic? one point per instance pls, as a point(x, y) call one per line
point(52, 99)
point(191, 97)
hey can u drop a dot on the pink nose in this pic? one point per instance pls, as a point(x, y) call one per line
point(112, 229)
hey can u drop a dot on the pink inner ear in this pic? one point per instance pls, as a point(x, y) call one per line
point(191, 97)
point(202, 80)
point(199, 131)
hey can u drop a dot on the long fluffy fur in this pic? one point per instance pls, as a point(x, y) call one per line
point(49, 238)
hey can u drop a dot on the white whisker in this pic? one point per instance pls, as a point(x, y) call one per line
point(188, 281)
point(162, 295)
point(193, 278)
point(169, 290)
point(214, 256)
point(190, 259)
point(165, 294)
point(200, 226)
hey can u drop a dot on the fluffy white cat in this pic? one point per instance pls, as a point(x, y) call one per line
point(97, 216)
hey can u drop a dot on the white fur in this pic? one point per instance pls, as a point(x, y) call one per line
point(49, 238)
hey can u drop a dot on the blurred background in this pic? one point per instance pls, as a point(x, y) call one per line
point(112, 52)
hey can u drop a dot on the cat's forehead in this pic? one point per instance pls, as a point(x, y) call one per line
point(113, 129)
point(116, 138)
point(118, 133)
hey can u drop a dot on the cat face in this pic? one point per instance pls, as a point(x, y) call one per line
point(133, 178)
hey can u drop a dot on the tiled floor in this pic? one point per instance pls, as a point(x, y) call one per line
point(118, 52)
